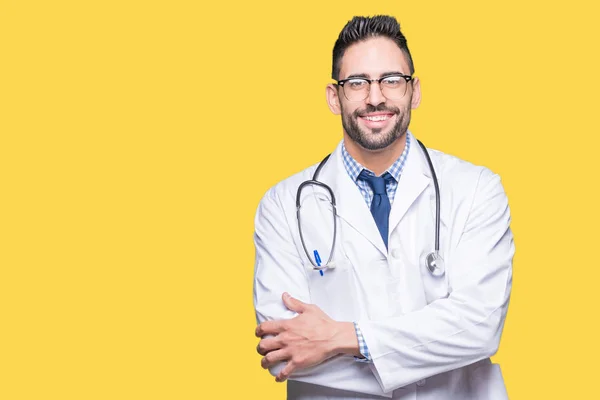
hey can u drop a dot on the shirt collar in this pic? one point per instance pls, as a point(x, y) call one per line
point(353, 167)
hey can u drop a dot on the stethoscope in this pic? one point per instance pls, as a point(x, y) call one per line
point(433, 262)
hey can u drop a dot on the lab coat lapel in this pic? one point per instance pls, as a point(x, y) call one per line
point(351, 205)
point(414, 179)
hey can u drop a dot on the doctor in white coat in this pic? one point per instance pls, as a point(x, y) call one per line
point(377, 323)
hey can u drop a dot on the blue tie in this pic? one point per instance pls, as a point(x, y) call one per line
point(380, 206)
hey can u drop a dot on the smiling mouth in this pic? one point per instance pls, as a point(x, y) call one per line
point(377, 118)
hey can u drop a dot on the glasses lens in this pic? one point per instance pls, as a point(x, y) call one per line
point(356, 89)
point(394, 87)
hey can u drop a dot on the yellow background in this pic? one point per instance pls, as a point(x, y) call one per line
point(137, 137)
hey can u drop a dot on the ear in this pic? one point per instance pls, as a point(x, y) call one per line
point(416, 96)
point(333, 100)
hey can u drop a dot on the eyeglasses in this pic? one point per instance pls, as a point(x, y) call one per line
point(393, 87)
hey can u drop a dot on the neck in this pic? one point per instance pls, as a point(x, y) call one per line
point(377, 161)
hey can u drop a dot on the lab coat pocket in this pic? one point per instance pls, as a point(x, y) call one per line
point(487, 383)
point(334, 291)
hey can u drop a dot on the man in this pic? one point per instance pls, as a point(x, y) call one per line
point(383, 319)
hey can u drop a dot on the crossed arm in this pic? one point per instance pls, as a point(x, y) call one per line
point(299, 341)
point(446, 334)
point(304, 341)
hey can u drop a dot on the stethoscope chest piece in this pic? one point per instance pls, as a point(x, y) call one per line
point(435, 264)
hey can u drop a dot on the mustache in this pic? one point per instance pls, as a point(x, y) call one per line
point(379, 108)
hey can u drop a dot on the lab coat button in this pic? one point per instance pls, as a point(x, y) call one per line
point(422, 382)
point(396, 253)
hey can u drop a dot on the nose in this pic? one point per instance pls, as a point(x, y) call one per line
point(376, 96)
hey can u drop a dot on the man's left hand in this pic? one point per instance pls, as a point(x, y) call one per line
point(305, 340)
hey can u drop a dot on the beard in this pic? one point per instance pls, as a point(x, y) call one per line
point(375, 139)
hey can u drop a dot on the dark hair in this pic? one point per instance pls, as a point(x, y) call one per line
point(362, 28)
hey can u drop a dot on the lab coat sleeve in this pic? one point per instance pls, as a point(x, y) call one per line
point(466, 326)
point(279, 269)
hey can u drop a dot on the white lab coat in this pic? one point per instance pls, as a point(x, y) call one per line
point(429, 337)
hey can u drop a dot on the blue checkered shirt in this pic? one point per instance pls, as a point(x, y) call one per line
point(354, 169)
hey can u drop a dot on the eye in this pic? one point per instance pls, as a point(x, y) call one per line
point(357, 84)
point(393, 81)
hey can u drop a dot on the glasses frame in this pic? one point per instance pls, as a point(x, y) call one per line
point(342, 82)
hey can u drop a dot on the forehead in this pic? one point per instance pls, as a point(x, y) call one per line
point(373, 57)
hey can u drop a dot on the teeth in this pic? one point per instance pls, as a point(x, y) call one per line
point(378, 118)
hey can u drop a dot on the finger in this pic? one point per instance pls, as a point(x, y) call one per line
point(269, 328)
point(294, 304)
point(285, 372)
point(267, 345)
point(273, 358)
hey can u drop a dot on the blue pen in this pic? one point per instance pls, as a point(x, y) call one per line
point(318, 260)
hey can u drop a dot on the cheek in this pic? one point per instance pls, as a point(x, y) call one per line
point(404, 108)
point(348, 109)
point(345, 110)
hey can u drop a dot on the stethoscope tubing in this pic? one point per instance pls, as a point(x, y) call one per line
point(437, 197)
point(314, 181)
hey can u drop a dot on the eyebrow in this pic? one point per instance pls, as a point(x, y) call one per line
point(365, 76)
